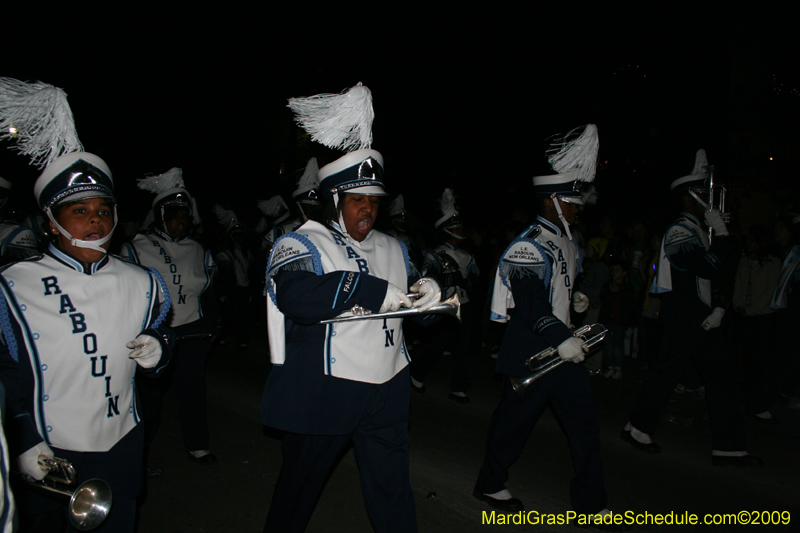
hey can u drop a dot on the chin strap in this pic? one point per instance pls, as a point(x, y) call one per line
point(561, 216)
point(93, 245)
point(459, 237)
point(341, 220)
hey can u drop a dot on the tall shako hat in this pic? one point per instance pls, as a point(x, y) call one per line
point(72, 177)
point(574, 158)
point(168, 187)
point(449, 219)
point(307, 191)
point(227, 219)
point(695, 180)
point(170, 191)
point(37, 117)
point(343, 122)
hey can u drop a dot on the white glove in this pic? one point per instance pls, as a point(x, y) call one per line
point(394, 299)
point(714, 220)
point(429, 294)
point(714, 319)
point(580, 302)
point(571, 350)
point(146, 351)
point(28, 462)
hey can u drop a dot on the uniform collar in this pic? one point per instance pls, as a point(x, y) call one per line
point(691, 218)
point(164, 235)
point(70, 261)
point(552, 228)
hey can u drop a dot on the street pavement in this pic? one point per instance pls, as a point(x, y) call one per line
point(446, 450)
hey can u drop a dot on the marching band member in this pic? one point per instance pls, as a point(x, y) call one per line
point(533, 293)
point(189, 271)
point(692, 309)
point(16, 240)
point(455, 269)
point(336, 384)
point(81, 324)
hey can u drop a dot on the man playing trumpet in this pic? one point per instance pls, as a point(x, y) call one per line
point(533, 292)
point(340, 383)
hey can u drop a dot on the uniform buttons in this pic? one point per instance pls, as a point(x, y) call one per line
point(35, 336)
point(49, 429)
point(147, 295)
point(46, 397)
point(10, 283)
point(333, 333)
point(333, 360)
point(44, 367)
point(23, 307)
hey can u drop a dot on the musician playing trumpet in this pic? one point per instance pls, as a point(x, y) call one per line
point(533, 292)
point(333, 384)
point(693, 302)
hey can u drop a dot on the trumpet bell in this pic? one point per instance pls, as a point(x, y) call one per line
point(90, 504)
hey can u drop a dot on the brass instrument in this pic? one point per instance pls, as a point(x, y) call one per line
point(89, 503)
point(548, 359)
point(451, 306)
point(716, 198)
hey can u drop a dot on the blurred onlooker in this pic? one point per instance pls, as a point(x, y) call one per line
point(756, 280)
point(649, 325)
point(595, 275)
point(617, 314)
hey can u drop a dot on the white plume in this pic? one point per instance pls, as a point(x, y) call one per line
point(339, 121)
point(309, 178)
point(700, 162)
point(448, 202)
point(571, 153)
point(37, 117)
point(274, 207)
point(159, 183)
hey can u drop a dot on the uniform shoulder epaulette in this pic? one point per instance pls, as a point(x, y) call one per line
point(525, 257)
point(682, 237)
point(294, 251)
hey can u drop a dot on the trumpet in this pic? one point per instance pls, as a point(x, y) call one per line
point(716, 198)
point(451, 306)
point(548, 359)
point(89, 503)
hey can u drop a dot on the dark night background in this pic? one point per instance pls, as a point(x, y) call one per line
point(463, 98)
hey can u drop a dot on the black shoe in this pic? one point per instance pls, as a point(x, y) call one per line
point(458, 399)
point(417, 389)
point(742, 461)
point(207, 459)
point(649, 448)
point(512, 505)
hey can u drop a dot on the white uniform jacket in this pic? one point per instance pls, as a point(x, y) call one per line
point(64, 359)
point(186, 266)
